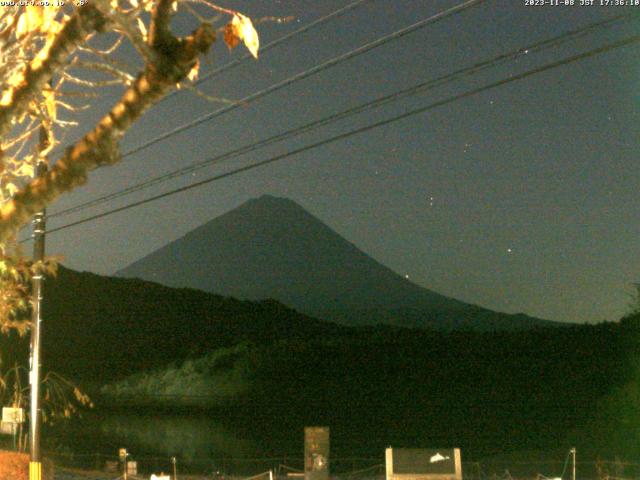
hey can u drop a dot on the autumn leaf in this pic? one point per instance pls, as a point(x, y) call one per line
point(241, 29)
point(248, 33)
point(49, 24)
point(32, 19)
point(230, 37)
point(193, 73)
point(25, 170)
point(14, 80)
point(37, 19)
point(11, 188)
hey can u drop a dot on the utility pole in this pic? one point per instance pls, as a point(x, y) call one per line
point(123, 454)
point(39, 225)
point(573, 452)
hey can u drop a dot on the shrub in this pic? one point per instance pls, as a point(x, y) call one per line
point(15, 466)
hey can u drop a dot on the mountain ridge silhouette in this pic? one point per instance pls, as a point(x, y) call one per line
point(271, 247)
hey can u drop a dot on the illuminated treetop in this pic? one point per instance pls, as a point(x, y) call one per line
point(53, 61)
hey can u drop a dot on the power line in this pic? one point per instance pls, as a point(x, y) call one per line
point(269, 46)
point(549, 66)
point(419, 88)
point(310, 72)
point(265, 48)
point(549, 405)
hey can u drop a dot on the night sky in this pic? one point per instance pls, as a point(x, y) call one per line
point(523, 198)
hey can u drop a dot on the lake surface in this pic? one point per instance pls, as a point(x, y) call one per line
point(201, 441)
point(234, 444)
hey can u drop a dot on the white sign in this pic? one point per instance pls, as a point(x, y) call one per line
point(8, 428)
point(438, 457)
point(12, 415)
point(159, 477)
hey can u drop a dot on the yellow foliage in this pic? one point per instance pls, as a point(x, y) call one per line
point(143, 29)
point(30, 21)
point(37, 19)
point(32, 117)
point(50, 102)
point(241, 29)
point(193, 73)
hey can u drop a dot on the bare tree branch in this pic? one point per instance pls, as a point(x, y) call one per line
point(100, 146)
point(35, 76)
point(108, 69)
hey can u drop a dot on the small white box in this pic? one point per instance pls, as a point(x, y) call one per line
point(12, 415)
point(8, 428)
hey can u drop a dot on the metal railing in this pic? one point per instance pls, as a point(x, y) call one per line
point(349, 468)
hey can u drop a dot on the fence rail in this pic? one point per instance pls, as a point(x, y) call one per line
point(350, 468)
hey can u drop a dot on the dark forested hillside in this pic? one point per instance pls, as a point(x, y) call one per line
point(487, 392)
point(101, 328)
point(265, 364)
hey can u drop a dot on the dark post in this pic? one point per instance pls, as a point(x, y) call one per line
point(316, 453)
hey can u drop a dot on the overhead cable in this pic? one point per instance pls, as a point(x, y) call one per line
point(510, 79)
point(415, 89)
